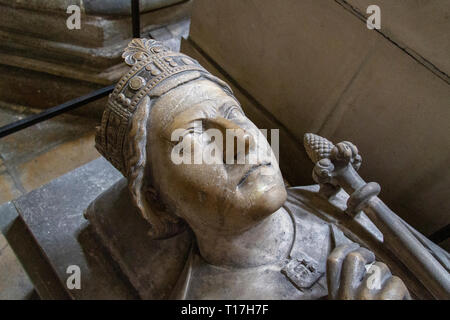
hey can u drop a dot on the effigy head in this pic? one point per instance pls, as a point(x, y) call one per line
point(186, 147)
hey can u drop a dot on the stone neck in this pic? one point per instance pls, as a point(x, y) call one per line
point(268, 242)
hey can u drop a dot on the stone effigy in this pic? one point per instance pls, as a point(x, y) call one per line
point(233, 230)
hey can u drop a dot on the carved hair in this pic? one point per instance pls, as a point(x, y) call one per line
point(163, 224)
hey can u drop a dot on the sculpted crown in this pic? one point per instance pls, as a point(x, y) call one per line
point(154, 70)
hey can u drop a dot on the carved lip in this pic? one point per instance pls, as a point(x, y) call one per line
point(252, 169)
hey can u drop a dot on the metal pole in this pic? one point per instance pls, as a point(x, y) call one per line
point(54, 111)
point(135, 18)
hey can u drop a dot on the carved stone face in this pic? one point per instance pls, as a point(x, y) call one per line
point(227, 198)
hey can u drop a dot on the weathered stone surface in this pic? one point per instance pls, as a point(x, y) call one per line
point(42, 152)
point(57, 161)
point(14, 282)
point(31, 258)
point(7, 215)
point(39, 138)
point(8, 190)
point(125, 234)
point(53, 214)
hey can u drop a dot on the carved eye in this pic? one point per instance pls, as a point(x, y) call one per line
point(233, 113)
point(193, 131)
point(196, 128)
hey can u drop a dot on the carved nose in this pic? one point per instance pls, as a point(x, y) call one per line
point(237, 141)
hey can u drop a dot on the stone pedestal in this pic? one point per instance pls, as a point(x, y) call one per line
point(123, 232)
point(53, 215)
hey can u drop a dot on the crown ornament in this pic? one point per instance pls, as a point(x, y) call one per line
point(141, 49)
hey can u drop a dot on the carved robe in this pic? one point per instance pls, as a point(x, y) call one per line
point(173, 268)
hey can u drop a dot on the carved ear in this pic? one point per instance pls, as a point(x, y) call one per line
point(162, 224)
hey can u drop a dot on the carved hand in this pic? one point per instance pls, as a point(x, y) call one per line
point(349, 278)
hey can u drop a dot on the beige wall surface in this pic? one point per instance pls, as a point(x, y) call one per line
point(313, 66)
point(422, 28)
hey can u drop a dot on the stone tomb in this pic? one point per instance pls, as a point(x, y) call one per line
point(53, 214)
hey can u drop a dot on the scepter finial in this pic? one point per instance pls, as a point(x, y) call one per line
point(317, 147)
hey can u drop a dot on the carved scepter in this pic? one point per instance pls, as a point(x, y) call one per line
point(336, 167)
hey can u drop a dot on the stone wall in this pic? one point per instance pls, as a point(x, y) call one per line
point(314, 66)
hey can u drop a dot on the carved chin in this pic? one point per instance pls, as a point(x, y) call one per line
point(269, 201)
point(265, 193)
